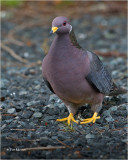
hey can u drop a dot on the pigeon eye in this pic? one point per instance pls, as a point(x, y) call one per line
point(64, 24)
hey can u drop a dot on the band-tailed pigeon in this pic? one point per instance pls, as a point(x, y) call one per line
point(75, 75)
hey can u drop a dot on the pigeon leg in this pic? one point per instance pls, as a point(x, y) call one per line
point(69, 119)
point(92, 119)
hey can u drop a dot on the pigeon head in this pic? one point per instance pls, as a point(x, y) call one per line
point(61, 25)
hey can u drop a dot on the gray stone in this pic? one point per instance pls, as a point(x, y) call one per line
point(62, 105)
point(3, 126)
point(124, 106)
point(59, 100)
point(82, 36)
point(33, 103)
point(4, 105)
point(49, 106)
point(47, 133)
point(36, 82)
point(39, 130)
point(126, 127)
point(52, 98)
point(11, 110)
point(54, 137)
point(119, 60)
point(80, 126)
point(27, 114)
point(32, 109)
point(88, 136)
point(103, 50)
point(109, 34)
point(31, 124)
point(4, 83)
point(37, 115)
point(80, 142)
point(125, 140)
point(115, 73)
point(19, 126)
point(17, 117)
point(37, 87)
point(44, 141)
point(9, 120)
point(47, 118)
point(26, 54)
point(106, 113)
point(22, 123)
point(42, 90)
point(49, 155)
point(111, 126)
point(62, 137)
point(113, 108)
point(21, 93)
point(49, 109)
point(109, 119)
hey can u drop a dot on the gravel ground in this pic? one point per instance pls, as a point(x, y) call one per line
point(29, 109)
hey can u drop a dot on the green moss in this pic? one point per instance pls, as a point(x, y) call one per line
point(11, 3)
point(64, 3)
point(68, 128)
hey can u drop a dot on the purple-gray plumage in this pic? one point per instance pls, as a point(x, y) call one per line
point(75, 75)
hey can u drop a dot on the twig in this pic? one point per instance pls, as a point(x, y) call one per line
point(19, 129)
point(34, 64)
point(14, 41)
point(112, 53)
point(18, 28)
point(12, 53)
point(18, 139)
point(8, 114)
point(63, 143)
point(43, 148)
point(118, 129)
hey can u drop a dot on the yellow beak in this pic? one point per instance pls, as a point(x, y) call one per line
point(54, 29)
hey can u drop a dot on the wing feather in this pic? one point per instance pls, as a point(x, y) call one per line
point(98, 76)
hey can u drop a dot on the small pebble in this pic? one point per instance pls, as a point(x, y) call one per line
point(21, 93)
point(89, 136)
point(37, 115)
point(33, 103)
point(37, 87)
point(109, 119)
point(53, 98)
point(27, 114)
point(11, 110)
point(44, 141)
point(113, 108)
point(3, 126)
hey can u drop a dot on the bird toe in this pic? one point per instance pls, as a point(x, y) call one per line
point(69, 119)
point(92, 119)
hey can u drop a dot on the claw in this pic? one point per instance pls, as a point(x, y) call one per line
point(69, 119)
point(92, 119)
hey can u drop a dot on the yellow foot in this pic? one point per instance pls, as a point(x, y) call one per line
point(69, 119)
point(93, 119)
